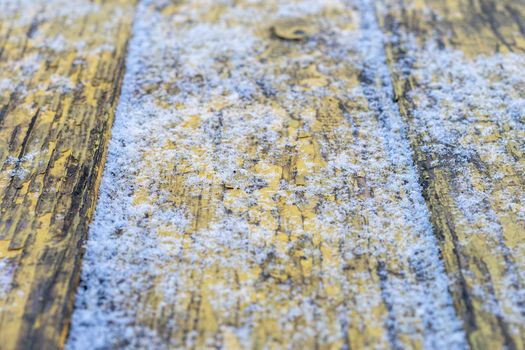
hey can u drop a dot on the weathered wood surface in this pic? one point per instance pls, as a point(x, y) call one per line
point(259, 191)
point(61, 64)
point(282, 174)
point(458, 68)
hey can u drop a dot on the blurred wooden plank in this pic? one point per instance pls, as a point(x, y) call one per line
point(259, 193)
point(459, 74)
point(61, 64)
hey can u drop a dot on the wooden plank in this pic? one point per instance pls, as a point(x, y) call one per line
point(259, 192)
point(61, 64)
point(458, 69)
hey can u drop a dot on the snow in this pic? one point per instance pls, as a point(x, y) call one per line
point(207, 104)
point(469, 110)
point(6, 277)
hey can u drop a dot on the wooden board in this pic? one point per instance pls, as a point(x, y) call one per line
point(457, 68)
point(282, 174)
point(259, 192)
point(61, 64)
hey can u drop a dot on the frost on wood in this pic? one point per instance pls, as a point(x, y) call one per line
point(60, 73)
point(6, 276)
point(259, 191)
point(464, 112)
point(464, 98)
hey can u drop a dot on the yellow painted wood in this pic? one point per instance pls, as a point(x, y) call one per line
point(61, 64)
point(483, 240)
point(270, 205)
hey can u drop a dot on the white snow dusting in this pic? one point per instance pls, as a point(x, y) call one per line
point(207, 106)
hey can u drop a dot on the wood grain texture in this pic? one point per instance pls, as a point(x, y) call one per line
point(61, 64)
point(458, 74)
point(259, 192)
point(262, 185)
